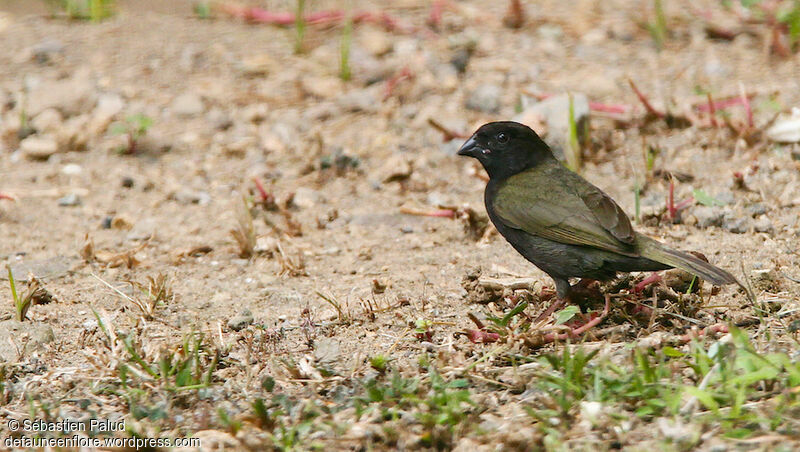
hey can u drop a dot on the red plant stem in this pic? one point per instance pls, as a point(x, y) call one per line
point(448, 134)
point(671, 199)
point(404, 74)
point(712, 111)
point(684, 204)
point(263, 16)
point(550, 310)
point(261, 191)
point(647, 105)
point(266, 17)
point(720, 104)
point(591, 324)
point(717, 328)
point(435, 17)
point(476, 320)
point(480, 336)
point(609, 108)
point(8, 197)
point(746, 102)
point(596, 106)
point(652, 279)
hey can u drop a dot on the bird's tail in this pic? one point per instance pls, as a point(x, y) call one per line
point(659, 252)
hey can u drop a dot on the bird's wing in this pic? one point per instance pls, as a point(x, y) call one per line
point(569, 211)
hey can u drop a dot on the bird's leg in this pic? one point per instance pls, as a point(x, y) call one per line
point(652, 279)
point(595, 321)
point(562, 292)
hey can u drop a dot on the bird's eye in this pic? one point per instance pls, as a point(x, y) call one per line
point(502, 138)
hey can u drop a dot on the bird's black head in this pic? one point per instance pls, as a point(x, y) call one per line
point(506, 148)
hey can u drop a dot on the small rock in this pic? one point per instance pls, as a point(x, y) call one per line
point(255, 112)
point(407, 230)
point(70, 200)
point(143, 229)
point(756, 209)
point(726, 197)
point(322, 87)
point(460, 58)
point(554, 111)
point(306, 198)
point(219, 119)
point(485, 98)
point(591, 411)
point(437, 199)
point(187, 105)
point(241, 321)
point(108, 106)
point(786, 129)
point(238, 145)
point(190, 58)
point(550, 32)
point(707, 216)
point(735, 224)
point(70, 97)
point(71, 169)
point(191, 197)
point(327, 351)
point(677, 431)
point(49, 120)
point(397, 168)
point(359, 100)
point(28, 335)
point(154, 142)
point(257, 65)
point(127, 182)
point(38, 148)
point(52, 267)
point(375, 41)
point(653, 199)
point(47, 51)
point(765, 279)
point(75, 133)
point(763, 225)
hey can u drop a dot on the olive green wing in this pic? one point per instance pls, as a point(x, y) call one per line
point(570, 210)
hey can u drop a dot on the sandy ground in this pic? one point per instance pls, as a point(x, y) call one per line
point(231, 102)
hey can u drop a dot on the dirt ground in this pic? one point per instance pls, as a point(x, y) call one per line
point(343, 164)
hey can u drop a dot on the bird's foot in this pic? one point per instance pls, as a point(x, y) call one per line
point(559, 303)
point(538, 340)
point(652, 279)
point(586, 326)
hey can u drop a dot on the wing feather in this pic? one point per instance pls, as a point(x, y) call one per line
point(575, 212)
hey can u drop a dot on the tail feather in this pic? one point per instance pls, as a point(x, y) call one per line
point(658, 252)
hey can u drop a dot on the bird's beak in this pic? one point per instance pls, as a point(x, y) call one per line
point(471, 148)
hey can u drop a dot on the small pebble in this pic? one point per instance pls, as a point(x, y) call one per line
point(763, 225)
point(737, 225)
point(127, 182)
point(71, 169)
point(485, 98)
point(241, 321)
point(70, 200)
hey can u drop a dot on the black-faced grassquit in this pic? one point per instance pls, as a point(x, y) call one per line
point(558, 220)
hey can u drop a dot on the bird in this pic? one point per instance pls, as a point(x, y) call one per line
point(559, 221)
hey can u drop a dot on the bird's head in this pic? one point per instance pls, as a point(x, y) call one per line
point(506, 148)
